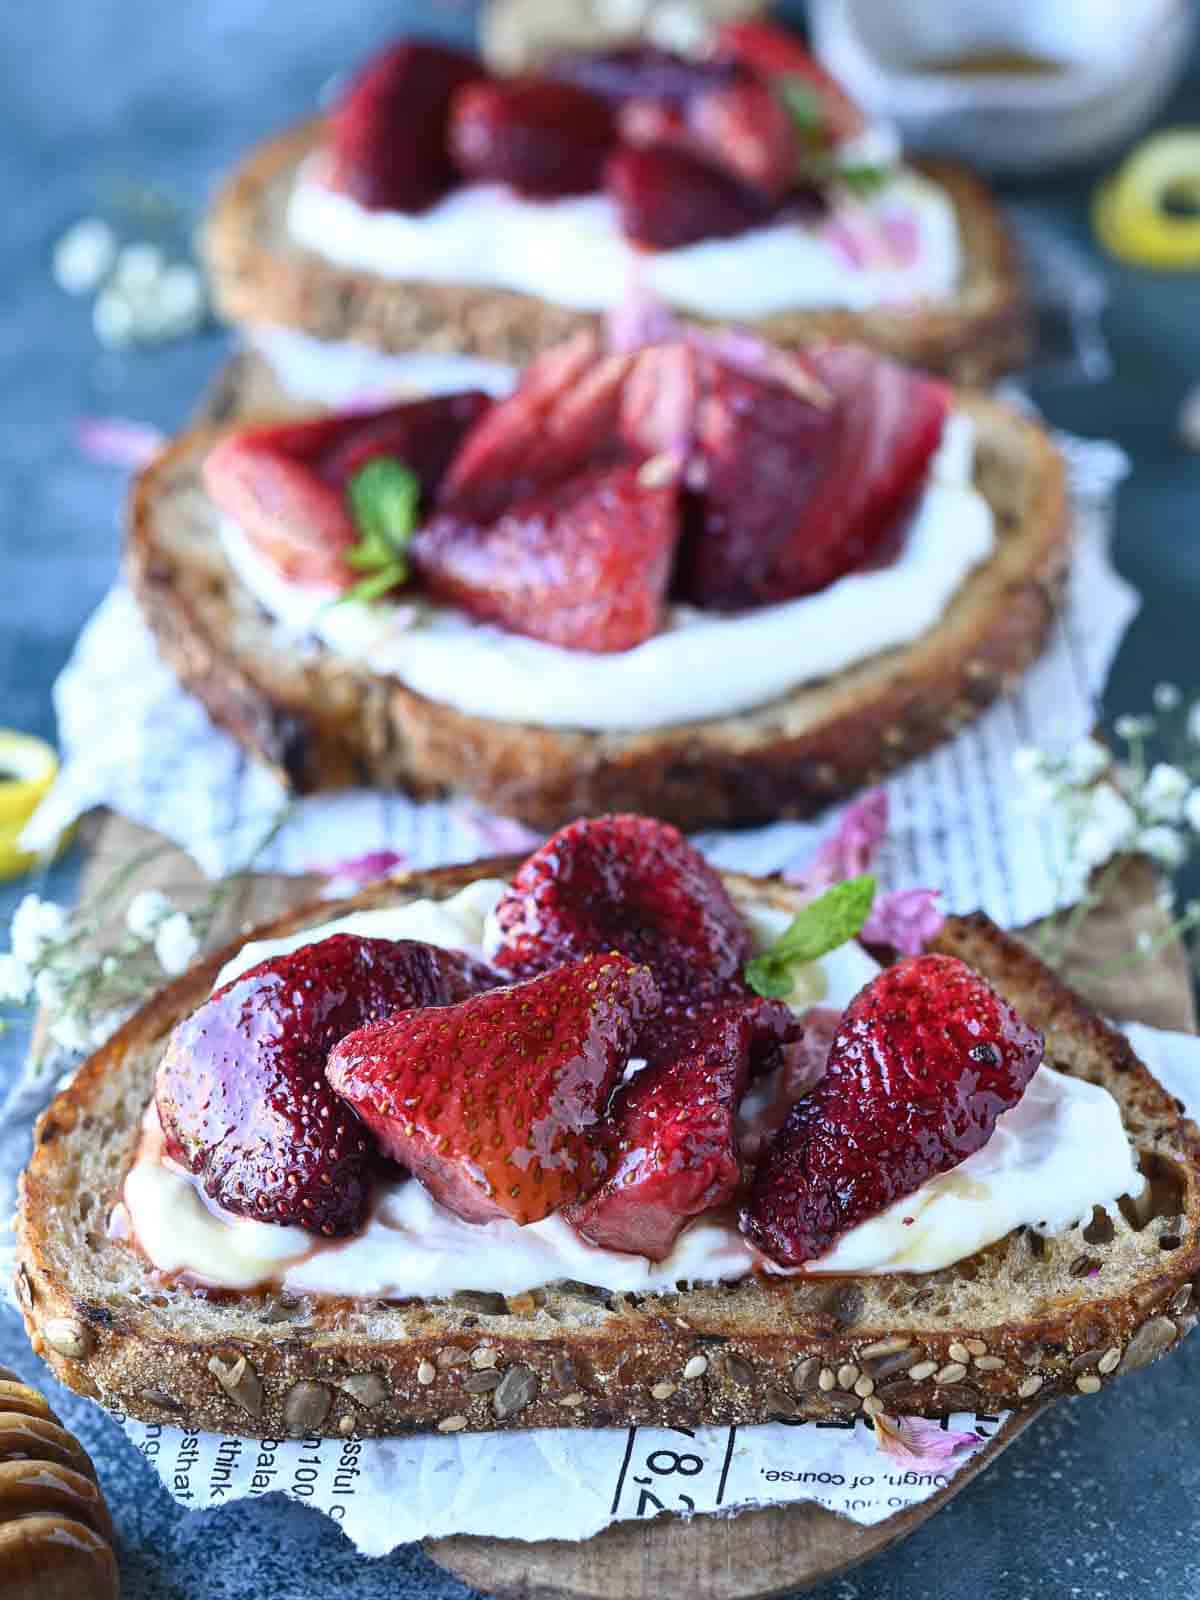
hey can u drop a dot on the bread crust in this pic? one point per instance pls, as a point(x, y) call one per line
point(260, 274)
point(321, 721)
point(1021, 1321)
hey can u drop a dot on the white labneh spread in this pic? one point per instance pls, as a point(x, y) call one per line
point(1058, 1153)
point(700, 665)
point(899, 247)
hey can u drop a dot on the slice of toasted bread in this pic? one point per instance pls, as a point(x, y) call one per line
point(322, 720)
point(260, 274)
point(1027, 1318)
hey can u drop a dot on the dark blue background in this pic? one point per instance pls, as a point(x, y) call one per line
point(1099, 1499)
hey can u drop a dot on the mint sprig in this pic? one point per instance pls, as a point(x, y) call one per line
point(804, 104)
point(863, 180)
point(384, 499)
point(833, 919)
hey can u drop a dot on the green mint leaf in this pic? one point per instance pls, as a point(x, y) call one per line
point(375, 587)
point(804, 104)
point(863, 180)
point(823, 925)
point(384, 500)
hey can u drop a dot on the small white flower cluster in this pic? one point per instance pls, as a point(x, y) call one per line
point(141, 296)
point(1112, 807)
point(87, 992)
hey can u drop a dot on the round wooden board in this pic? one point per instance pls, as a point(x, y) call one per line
point(750, 1556)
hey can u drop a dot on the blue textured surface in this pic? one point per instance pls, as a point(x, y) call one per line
point(1097, 1500)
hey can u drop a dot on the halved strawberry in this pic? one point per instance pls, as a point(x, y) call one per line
point(779, 55)
point(540, 137)
point(584, 565)
point(668, 198)
point(746, 129)
point(671, 1132)
point(925, 1059)
point(284, 484)
point(493, 1104)
point(797, 496)
point(623, 883)
point(241, 1090)
point(387, 136)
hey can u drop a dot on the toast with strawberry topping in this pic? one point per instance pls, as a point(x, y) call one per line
point(676, 151)
point(1039, 1318)
point(322, 718)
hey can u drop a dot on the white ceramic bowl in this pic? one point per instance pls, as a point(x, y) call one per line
point(1119, 59)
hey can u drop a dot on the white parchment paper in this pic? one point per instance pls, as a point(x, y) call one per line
point(134, 741)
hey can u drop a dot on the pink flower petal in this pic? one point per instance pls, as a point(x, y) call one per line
point(916, 1441)
point(845, 242)
point(851, 849)
point(501, 835)
point(906, 919)
point(639, 318)
point(118, 441)
point(357, 870)
point(902, 236)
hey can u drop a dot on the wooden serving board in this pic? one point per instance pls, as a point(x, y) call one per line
point(757, 1553)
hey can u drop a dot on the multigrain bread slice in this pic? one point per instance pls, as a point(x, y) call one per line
point(1021, 1321)
point(322, 721)
point(260, 274)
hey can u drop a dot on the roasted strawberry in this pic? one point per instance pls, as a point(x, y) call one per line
point(540, 137)
point(827, 114)
point(584, 565)
point(241, 1089)
point(746, 129)
point(671, 1134)
point(623, 883)
point(797, 495)
point(672, 1151)
point(926, 1058)
point(669, 198)
point(493, 1104)
point(387, 136)
point(284, 484)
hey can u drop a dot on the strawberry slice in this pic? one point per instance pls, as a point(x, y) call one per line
point(540, 137)
point(779, 56)
point(386, 138)
point(671, 1132)
point(284, 484)
point(668, 198)
point(623, 883)
point(584, 565)
point(493, 1104)
point(926, 1058)
point(797, 496)
point(241, 1089)
point(747, 129)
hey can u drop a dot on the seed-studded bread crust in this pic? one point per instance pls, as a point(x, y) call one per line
point(322, 720)
point(1023, 1320)
point(260, 274)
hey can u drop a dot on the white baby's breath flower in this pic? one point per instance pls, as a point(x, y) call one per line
point(1167, 697)
point(16, 980)
point(1164, 793)
point(175, 944)
point(146, 911)
point(1163, 845)
point(1193, 722)
point(84, 255)
point(1191, 810)
point(1028, 761)
point(36, 925)
point(1109, 825)
point(71, 1033)
point(1086, 760)
point(50, 989)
